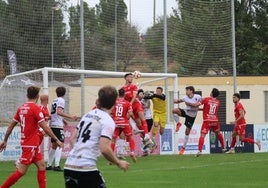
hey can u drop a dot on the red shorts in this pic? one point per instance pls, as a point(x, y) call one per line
point(240, 129)
point(30, 155)
point(210, 125)
point(137, 107)
point(41, 137)
point(126, 130)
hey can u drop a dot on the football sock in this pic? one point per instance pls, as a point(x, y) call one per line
point(176, 118)
point(51, 157)
point(144, 126)
point(154, 131)
point(248, 140)
point(13, 178)
point(131, 144)
point(57, 156)
point(200, 143)
point(41, 177)
point(113, 145)
point(220, 137)
point(233, 142)
point(186, 138)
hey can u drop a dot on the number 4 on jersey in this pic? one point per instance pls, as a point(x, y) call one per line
point(84, 133)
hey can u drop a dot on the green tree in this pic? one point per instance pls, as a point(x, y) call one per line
point(251, 37)
point(199, 42)
point(154, 42)
point(106, 11)
point(93, 51)
point(128, 44)
point(28, 32)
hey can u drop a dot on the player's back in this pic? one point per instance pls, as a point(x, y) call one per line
point(210, 109)
point(56, 120)
point(93, 125)
point(29, 115)
point(120, 112)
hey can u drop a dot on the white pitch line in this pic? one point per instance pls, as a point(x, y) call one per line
point(198, 166)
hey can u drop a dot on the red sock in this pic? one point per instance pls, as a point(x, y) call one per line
point(13, 178)
point(248, 140)
point(201, 143)
point(131, 144)
point(112, 146)
point(233, 142)
point(41, 177)
point(220, 137)
point(144, 126)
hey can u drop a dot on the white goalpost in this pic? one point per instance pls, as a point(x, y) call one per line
point(81, 94)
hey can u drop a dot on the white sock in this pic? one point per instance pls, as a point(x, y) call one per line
point(186, 138)
point(146, 137)
point(58, 156)
point(51, 157)
point(176, 118)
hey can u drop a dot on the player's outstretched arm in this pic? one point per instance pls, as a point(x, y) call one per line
point(63, 114)
point(48, 131)
point(106, 151)
point(10, 128)
point(177, 101)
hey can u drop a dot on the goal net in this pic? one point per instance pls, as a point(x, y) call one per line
point(81, 85)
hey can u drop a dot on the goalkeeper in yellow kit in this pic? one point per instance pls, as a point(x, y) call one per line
point(159, 113)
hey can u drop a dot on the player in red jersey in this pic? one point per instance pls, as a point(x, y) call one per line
point(240, 125)
point(131, 91)
point(45, 111)
point(30, 117)
point(120, 114)
point(210, 119)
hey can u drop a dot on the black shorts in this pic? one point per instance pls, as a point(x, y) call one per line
point(150, 123)
point(59, 133)
point(76, 179)
point(189, 121)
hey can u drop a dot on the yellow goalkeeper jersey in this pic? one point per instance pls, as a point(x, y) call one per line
point(159, 104)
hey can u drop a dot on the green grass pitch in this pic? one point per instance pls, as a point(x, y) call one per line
point(169, 171)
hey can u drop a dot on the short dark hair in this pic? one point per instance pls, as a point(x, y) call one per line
point(107, 96)
point(32, 92)
point(140, 91)
point(121, 92)
point(60, 91)
point(160, 88)
point(127, 74)
point(215, 92)
point(191, 88)
point(237, 95)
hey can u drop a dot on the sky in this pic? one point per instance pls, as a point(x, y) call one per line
point(141, 11)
